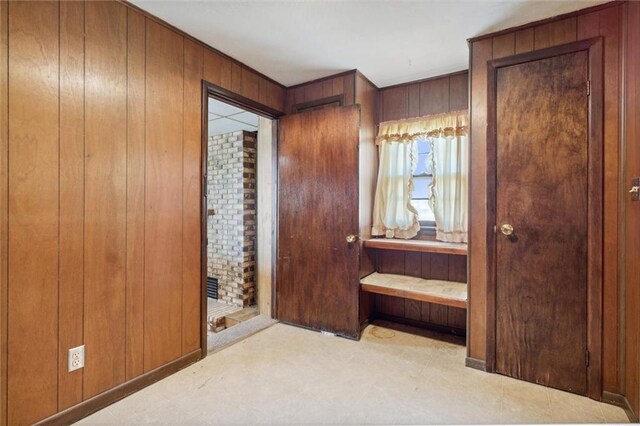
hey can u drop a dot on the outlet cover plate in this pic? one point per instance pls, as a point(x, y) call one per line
point(76, 358)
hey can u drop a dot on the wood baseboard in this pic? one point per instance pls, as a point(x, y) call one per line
point(106, 398)
point(477, 364)
point(620, 401)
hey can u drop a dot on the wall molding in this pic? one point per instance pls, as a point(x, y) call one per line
point(477, 364)
point(121, 391)
point(620, 401)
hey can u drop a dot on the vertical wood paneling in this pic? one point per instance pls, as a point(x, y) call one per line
point(225, 73)
point(164, 198)
point(413, 93)
point(504, 45)
point(135, 194)
point(348, 82)
point(191, 195)
point(33, 211)
point(481, 52)
point(71, 279)
point(212, 71)
point(524, 40)
point(394, 104)
point(459, 92)
point(588, 25)
point(236, 78)
point(555, 33)
point(250, 83)
point(4, 191)
point(105, 195)
point(434, 96)
point(632, 209)
point(609, 29)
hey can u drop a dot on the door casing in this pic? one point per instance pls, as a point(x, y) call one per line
point(594, 48)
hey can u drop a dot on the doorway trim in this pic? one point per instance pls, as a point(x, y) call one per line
point(210, 90)
point(595, 142)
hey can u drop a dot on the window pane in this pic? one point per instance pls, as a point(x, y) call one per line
point(421, 187)
point(423, 146)
point(421, 167)
point(424, 211)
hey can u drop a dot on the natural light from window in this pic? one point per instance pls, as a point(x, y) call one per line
point(422, 178)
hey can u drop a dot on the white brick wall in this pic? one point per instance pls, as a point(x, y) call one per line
point(231, 183)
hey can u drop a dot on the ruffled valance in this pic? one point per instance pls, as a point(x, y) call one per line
point(454, 123)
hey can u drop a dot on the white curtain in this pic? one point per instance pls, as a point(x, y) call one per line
point(393, 214)
point(450, 187)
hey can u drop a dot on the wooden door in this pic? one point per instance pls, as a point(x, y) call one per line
point(317, 270)
point(542, 189)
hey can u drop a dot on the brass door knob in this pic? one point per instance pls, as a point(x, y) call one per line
point(506, 229)
point(351, 238)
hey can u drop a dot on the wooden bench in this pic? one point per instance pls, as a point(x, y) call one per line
point(448, 293)
point(423, 246)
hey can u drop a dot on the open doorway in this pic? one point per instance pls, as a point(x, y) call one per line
point(238, 248)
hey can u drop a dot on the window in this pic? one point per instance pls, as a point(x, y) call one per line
point(422, 177)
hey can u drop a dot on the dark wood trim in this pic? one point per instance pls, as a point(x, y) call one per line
point(419, 324)
point(275, 128)
point(195, 40)
point(318, 103)
point(594, 47)
point(423, 80)
point(203, 219)
point(247, 104)
point(106, 398)
point(329, 77)
point(210, 90)
point(477, 364)
point(622, 402)
point(469, 226)
point(544, 21)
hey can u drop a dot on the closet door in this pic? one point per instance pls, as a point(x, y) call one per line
point(317, 253)
point(543, 221)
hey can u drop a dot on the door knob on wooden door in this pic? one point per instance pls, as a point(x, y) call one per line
point(506, 229)
point(351, 238)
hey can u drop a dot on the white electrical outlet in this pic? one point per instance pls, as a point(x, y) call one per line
point(76, 358)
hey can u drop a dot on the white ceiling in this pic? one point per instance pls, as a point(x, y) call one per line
point(388, 41)
point(225, 118)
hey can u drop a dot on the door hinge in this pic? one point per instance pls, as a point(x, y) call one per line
point(586, 358)
point(588, 87)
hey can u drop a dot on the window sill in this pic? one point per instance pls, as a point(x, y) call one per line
point(423, 246)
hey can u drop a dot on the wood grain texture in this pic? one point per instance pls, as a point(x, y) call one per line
point(445, 267)
point(317, 270)
point(4, 194)
point(609, 29)
point(71, 276)
point(524, 40)
point(433, 96)
point(164, 197)
point(504, 45)
point(191, 196)
point(555, 33)
point(588, 25)
point(135, 194)
point(105, 195)
point(481, 52)
point(33, 212)
point(367, 98)
point(340, 84)
point(541, 276)
point(632, 209)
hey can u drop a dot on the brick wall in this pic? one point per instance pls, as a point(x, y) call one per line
point(231, 229)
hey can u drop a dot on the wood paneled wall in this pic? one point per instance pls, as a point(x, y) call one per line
point(338, 84)
point(100, 191)
point(425, 97)
point(425, 265)
point(601, 21)
point(632, 208)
